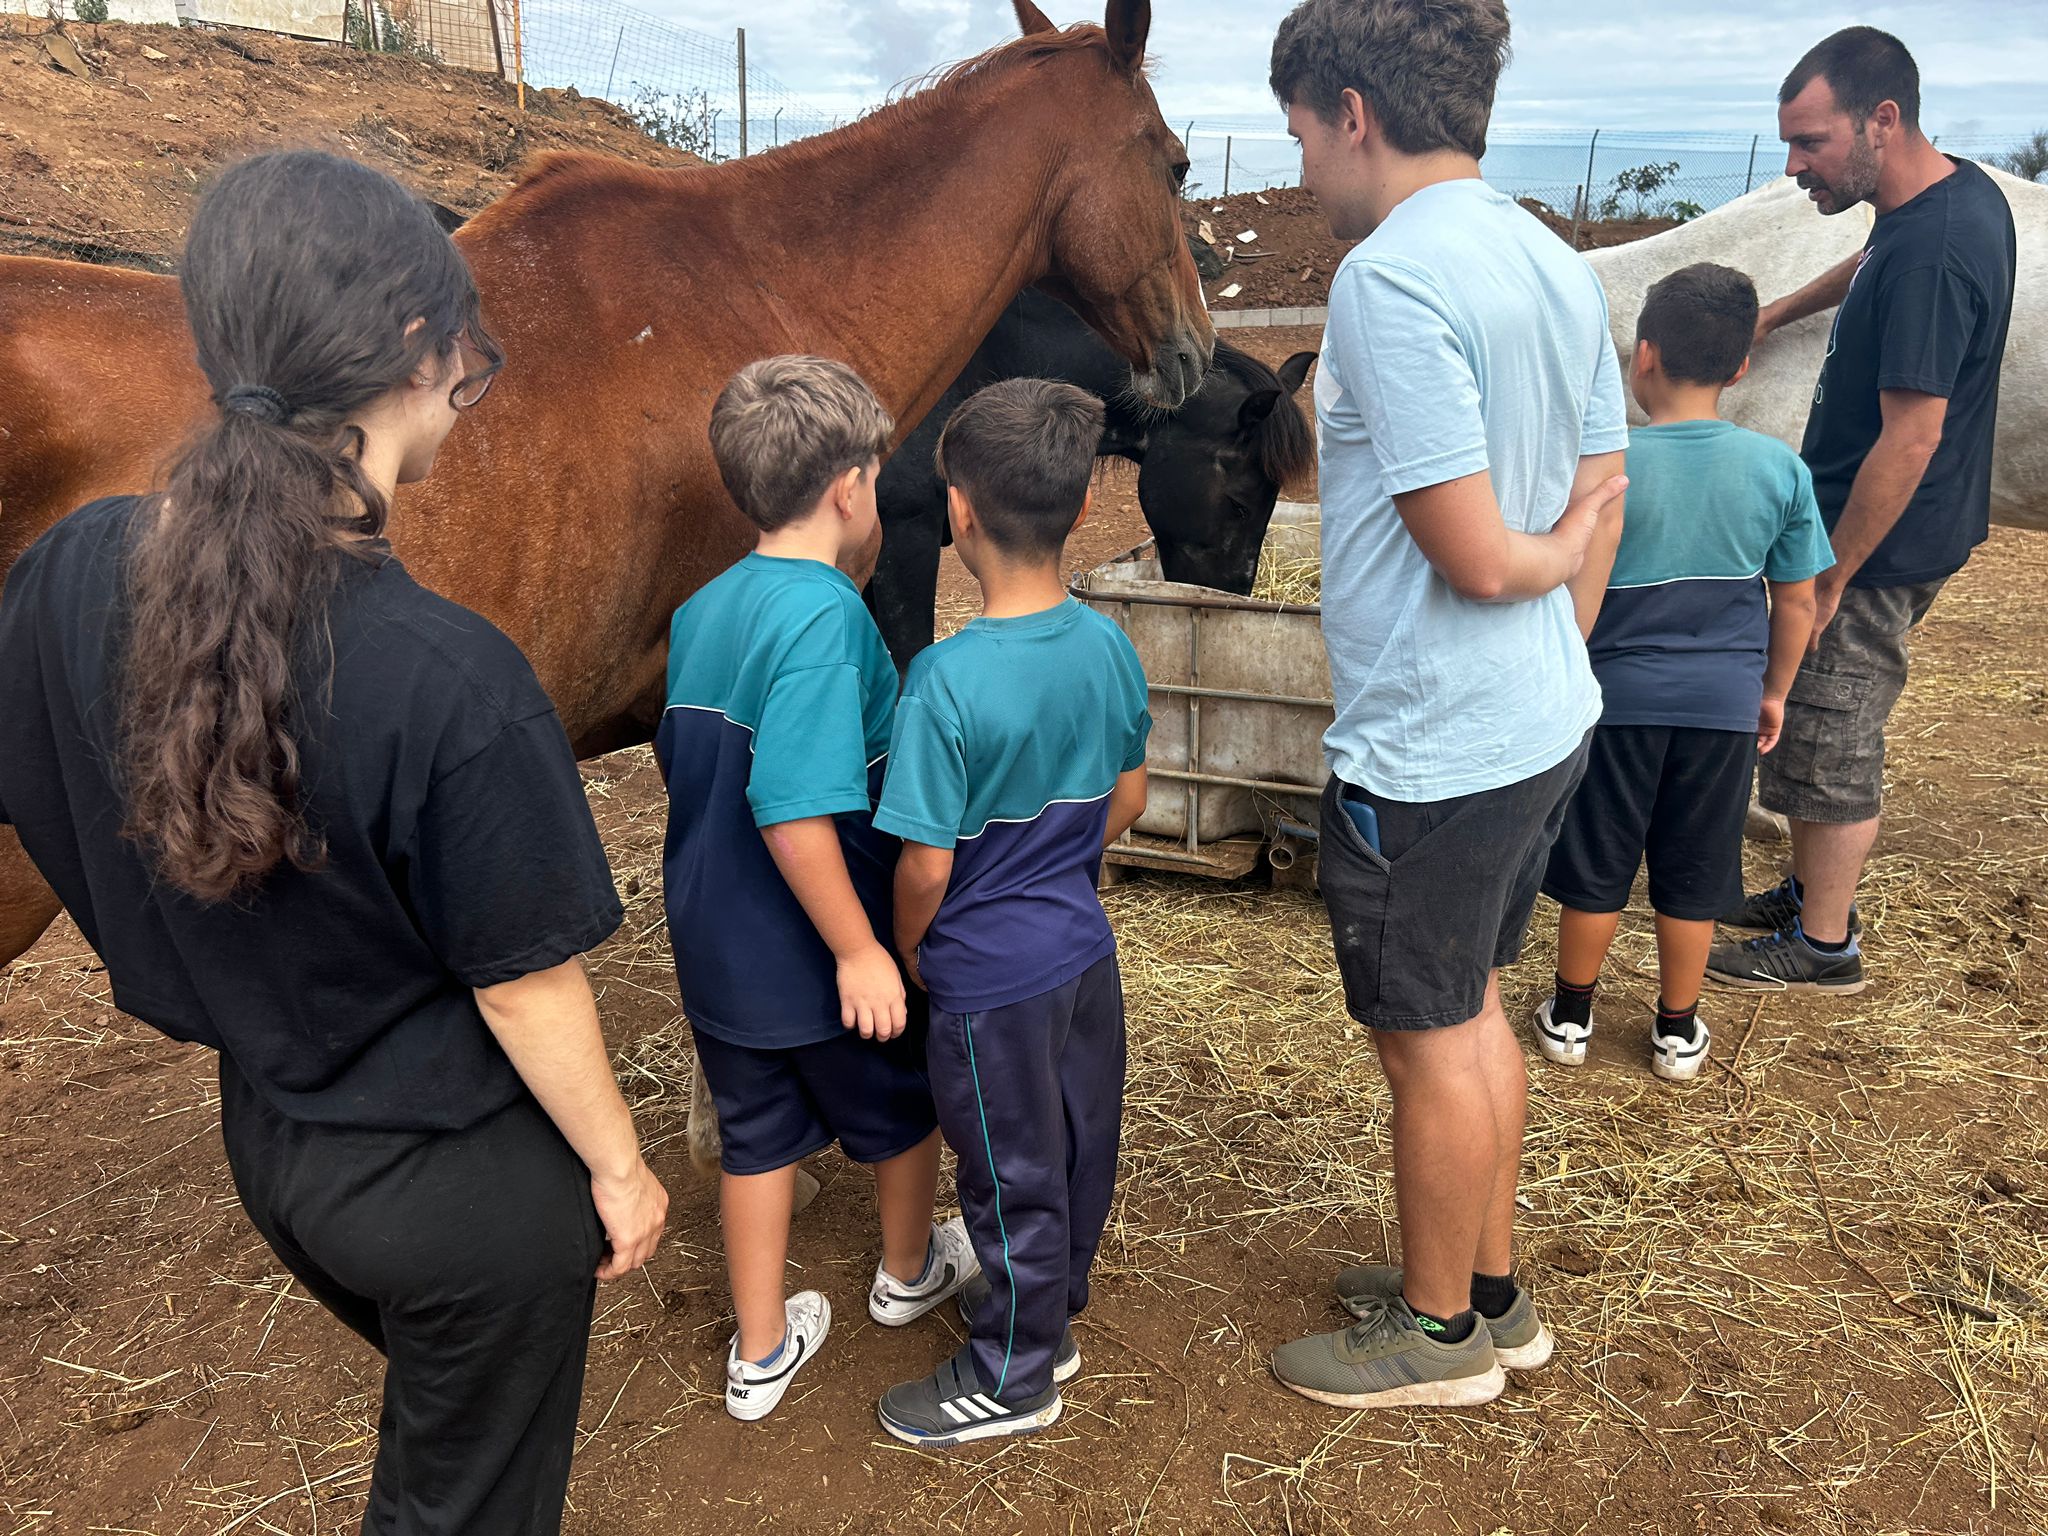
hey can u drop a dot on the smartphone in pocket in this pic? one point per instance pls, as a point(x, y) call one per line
point(1365, 818)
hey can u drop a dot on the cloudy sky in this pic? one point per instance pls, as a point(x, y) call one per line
point(1651, 64)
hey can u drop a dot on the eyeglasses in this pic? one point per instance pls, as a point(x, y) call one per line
point(479, 373)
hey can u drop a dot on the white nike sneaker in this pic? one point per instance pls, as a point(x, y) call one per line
point(1678, 1058)
point(1558, 1039)
point(949, 1264)
point(753, 1391)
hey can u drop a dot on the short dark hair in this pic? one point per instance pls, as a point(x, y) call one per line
point(1427, 68)
point(1701, 319)
point(1023, 451)
point(1863, 67)
point(785, 428)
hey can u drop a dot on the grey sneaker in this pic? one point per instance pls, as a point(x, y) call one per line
point(949, 1407)
point(1066, 1365)
point(1775, 910)
point(1520, 1341)
point(1387, 1360)
point(1782, 962)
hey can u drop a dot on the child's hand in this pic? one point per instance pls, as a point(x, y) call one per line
point(871, 993)
point(1770, 721)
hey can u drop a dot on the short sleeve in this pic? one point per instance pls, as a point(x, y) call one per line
point(1930, 314)
point(1802, 550)
point(924, 798)
point(1141, 715)
point(1605, 429)
point(810, 746)
point(507, 874)
point(1410, 376)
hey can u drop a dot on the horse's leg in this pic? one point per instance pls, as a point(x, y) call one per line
point(27, 905)
point(904, 591)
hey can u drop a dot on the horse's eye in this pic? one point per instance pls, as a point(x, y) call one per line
point(1180, 173)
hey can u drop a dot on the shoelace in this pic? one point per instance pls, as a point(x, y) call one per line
point(1379, 1315)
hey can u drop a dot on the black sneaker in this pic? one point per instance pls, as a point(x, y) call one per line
point(949, 1408)
point(1066, 1365)
point(1774, 911)
point(1780, 962)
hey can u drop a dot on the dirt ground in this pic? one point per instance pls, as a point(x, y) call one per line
point(1807, 1295)
point(1292, 255)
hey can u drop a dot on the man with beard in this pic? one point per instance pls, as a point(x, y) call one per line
point(1899, 443)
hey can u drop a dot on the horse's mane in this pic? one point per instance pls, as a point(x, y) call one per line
point(1286, 448)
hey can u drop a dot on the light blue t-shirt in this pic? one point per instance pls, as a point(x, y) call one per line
point(1463, 336)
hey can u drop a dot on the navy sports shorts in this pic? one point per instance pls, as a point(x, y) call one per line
point(1679, 794)
point(778, 1105)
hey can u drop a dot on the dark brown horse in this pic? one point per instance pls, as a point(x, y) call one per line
point(581, 505)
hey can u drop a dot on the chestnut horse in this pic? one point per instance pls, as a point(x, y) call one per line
point(580, 505)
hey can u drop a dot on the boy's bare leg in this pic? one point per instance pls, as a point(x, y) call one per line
point(905, 1187)
point(1682, 949)
point(1583, 939)
point(754, 1208)
point(1446, 1153)
point(1507, 1077)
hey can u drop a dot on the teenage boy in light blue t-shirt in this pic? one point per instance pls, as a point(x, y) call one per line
point(1019, 754)
point(1471, 428)
point(1706, 620)
point(775, 882)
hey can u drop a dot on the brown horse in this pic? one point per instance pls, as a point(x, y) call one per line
point(581, 505)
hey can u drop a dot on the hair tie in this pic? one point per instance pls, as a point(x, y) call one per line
point(258, 400)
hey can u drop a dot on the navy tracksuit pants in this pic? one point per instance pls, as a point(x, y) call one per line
point(1030, 1098)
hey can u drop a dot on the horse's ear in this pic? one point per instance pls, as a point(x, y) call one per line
point(1032, 19)
point(1258, 405)
point(1128, 22)
point(1295, 369)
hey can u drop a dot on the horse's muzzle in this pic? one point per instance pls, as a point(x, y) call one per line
point(1177, 370)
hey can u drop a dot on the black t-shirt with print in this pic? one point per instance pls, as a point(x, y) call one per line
point(1928, 311)
point(459, 848)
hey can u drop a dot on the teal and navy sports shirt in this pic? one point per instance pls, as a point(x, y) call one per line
point(780, 694)
point(1009, 739)
point(1714, 511)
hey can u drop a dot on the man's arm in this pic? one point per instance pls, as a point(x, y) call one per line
point(922, 874)
point(1822, 294)
point(1458, 527)
point(1589, 586)
point(546, 1022)
point(1791, 628)
point(1126, 804)
point(1891, 473)
point(807, 852)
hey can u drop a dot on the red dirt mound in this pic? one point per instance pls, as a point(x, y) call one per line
point(105, 168)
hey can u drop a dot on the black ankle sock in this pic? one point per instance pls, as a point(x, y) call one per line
point(1822, 945)
point(1448, 1330)
point(1677, 1021)
point(1492, 1295)
point(1573, 1005)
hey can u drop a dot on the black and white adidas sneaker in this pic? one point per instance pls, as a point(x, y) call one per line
point(753, 1391)
point(950, 1408)
point(949, 1264)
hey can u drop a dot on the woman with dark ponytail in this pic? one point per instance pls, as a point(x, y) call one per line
point(327, 823)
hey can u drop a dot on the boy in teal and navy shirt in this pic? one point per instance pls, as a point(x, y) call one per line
point(776, 883)
point(1705, 621)
point(1019, 754)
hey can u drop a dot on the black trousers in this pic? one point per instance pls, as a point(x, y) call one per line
point(468, 1259)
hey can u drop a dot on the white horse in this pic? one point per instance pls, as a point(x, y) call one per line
point(1775, 236)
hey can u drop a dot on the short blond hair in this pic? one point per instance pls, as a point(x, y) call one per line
point(785, 428)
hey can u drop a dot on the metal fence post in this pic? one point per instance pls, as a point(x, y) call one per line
point(1226, 165)
point(1584, 203)
point(610, 73)
point(1750, 175)
point(743, 92)
point(775, 126)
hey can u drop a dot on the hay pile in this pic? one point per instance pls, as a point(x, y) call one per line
point(1292, 574)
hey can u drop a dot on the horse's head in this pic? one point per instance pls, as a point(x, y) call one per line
point(1117, 253)
point(1213, 469)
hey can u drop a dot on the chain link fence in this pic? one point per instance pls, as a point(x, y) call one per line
point(1590, 173)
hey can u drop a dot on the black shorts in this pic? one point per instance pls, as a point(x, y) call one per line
point(1678, 793)
point(1421, 922)
point(778, 1105)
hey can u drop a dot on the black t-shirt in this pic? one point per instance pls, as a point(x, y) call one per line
point(1928, 311)
point(460, 851)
